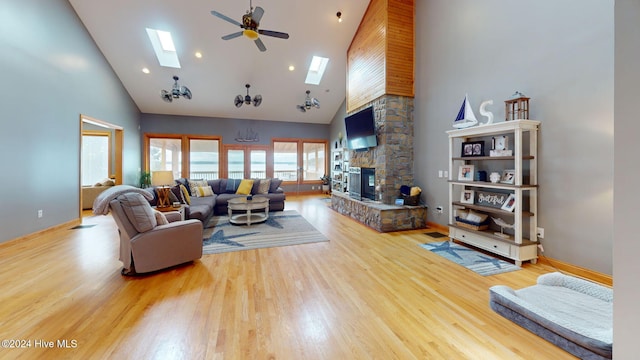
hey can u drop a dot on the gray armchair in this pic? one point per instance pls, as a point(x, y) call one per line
point(147, 246)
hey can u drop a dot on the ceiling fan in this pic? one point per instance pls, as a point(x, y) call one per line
point(176, 92)
point(309, 103)
point(250, 23)
point(239, 100)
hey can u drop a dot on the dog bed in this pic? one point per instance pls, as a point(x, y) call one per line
point(574, 314)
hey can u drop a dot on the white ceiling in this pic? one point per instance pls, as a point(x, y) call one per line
point(118, 28)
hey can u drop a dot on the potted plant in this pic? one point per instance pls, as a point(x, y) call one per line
point(145, 179)
point(326, 180)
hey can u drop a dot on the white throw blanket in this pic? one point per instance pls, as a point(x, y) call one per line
point(101, 203)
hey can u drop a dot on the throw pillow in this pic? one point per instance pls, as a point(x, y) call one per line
point(138, 211)
point(275, 184)
point(177, 194)
point(194, 185)
point(264, 186)
point(185, 195)
point(160, 218)
point(245, 187)
point(232, 186)
point(203, 191)
point(256, 186)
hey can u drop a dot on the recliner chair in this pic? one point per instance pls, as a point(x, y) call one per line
point(145, 245)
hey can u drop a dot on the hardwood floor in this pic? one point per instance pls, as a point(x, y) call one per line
point(362, 295)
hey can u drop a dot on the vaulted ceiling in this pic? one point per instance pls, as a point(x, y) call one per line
point(215, 79)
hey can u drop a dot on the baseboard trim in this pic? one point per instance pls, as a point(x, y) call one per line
point(578, 271)
point(66, 225)
point(442, 228)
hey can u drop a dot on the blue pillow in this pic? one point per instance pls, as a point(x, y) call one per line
point(232, 185)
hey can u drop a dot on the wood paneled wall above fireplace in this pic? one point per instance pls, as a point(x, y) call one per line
point(380, 59)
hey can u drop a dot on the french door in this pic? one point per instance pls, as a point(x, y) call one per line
point(247, 162)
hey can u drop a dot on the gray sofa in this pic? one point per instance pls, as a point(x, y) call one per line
point(202, 208)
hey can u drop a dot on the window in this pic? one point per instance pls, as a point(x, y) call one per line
point(195, 157)
point(204, 159)
point(308, 156)
point(285, 160)
point(96, 156)
point(166, 154)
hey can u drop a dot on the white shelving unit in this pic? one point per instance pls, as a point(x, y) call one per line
point(340, 170)
point(523, 137)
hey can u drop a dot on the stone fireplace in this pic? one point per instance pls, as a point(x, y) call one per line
point(379, 172)
point(392, 159)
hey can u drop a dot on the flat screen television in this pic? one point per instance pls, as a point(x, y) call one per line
point(361, 130)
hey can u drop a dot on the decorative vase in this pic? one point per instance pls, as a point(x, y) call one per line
point(494, 177)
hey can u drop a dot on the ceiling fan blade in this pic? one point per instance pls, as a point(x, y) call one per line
point(186, 93)
point(277, 34)
point(256, 15)
point(257, 100)
point(301, 108)
point(226, 18)
point(166, 96)
point(232, 36)
point(238, 101)
point(316, 103)
point(260, 45)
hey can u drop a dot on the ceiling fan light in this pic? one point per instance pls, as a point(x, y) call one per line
point(250, 34)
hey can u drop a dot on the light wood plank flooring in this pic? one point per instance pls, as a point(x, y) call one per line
point(363, 295)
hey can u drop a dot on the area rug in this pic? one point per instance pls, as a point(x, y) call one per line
point(474, 260)
point(281, 229)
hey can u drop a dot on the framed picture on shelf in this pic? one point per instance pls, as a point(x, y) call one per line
point(473, 148)
point(467, 196)
point(500, 142)
point(465, 173)
point(510, 203)
point(508, 176)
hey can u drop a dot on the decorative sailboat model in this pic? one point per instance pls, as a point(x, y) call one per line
point(466, 117)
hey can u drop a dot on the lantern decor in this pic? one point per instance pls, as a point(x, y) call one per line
point(517, 107)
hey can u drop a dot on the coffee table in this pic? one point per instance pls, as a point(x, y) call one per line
point(241, 204)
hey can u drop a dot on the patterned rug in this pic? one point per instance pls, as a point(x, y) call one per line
point(281, 229)
point(477, 261)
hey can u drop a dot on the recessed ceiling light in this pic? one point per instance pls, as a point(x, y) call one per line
point(316, 70)
point(198, 54)
point(145, 70)
point(291, 67)
point(164, 48)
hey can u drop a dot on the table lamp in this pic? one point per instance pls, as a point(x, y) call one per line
point(162, 180)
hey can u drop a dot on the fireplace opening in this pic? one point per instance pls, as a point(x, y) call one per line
point(362, 183)
point(368, 183)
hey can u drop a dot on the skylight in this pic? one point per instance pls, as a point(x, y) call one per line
point(164, 48)
point(316, 70)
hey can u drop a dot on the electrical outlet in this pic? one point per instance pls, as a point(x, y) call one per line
point(446, 173)
point(40, 213)
point(440, 173)
point(540, 233)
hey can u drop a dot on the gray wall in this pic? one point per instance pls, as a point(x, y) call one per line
point(627, 172)
point(229, 128)
point(563, 60)
point(52, 73)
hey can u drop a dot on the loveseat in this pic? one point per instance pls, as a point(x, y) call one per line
point(215, 202)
